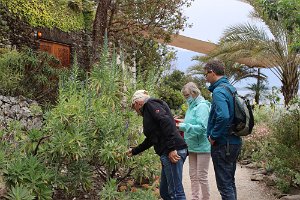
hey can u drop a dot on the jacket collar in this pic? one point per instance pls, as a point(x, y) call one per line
point(222, 80)
point(196, 101)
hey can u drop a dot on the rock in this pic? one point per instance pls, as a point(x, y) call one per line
point(5, 99)
point(23, 104)
point(16, 108)
point(26, 112)
point(122, 188)
point(130, 182)
point(251, 165)
point(270, 180)
point(13, 100)
point(12, 108)
point(3, 189)
point(291, 197)
point(146, 186)
point(260, 171)
point(133, 189)
point(245, 162)
point(257, 177)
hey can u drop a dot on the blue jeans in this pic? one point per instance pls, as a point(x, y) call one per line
point(224, 159)
point(171, 177)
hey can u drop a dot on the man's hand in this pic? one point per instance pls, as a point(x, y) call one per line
point(174, 157)
point(212, 142)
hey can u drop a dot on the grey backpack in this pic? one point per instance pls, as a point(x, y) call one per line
point(243, 120)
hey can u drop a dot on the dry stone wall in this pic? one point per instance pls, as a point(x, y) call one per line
point(21, 109)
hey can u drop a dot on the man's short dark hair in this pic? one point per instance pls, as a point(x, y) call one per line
point(216, 66)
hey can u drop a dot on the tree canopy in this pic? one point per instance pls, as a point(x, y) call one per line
point(63, 14)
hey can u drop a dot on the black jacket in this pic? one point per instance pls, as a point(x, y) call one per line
point(159, 128)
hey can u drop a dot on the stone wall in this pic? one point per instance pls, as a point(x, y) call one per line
point(26, 111)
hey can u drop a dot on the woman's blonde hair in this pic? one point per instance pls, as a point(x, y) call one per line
point(191, 88)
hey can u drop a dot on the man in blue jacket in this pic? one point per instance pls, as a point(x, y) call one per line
point(225, 146)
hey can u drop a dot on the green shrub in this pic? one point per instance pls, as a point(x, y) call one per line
point(109, 191)
point(287, 128)
point(19, 71)
point(265, 114)
point(113, 155)
point(90, 131)
point(32, 173)
point(283, 185)
point(172, 97)
point(19, 193)
point(145, 166)
point(141, 194)
point(275, 143)
point(84, 138)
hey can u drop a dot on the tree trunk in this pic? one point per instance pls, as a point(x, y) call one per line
point(99, 27)
point(290, 83)
point(257, 92)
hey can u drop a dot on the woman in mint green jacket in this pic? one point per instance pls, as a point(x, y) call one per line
point(194, 127)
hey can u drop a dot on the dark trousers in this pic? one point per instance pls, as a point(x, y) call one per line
point(224, 158)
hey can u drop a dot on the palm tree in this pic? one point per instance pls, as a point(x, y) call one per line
point(257, 91)
point(235, 72)
point(250, 41)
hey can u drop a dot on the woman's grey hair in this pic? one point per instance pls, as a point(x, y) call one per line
point(191, 88)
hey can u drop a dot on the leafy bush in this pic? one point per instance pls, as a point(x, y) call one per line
point(287, 128)
point(287, 149)
point(91, 130)
point(109, 191)
point(19, 71)
point(29, 172)
point(141, 194)
point(19, 193)
point(275, 144)
point(83, 140)
point(142, 169)
point(265, 114)
point(172, 97)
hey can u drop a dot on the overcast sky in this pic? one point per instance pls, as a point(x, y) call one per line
point(209, 19)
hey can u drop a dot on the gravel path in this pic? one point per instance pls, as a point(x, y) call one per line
point(246, 189)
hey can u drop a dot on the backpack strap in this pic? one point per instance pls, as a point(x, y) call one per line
point(230, 129)
point(228, 90)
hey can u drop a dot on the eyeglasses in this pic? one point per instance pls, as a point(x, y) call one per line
point(210, 71)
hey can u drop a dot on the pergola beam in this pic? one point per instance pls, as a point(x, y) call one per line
point(200, 46)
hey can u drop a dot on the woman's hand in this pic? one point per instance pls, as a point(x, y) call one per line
point(177, 120)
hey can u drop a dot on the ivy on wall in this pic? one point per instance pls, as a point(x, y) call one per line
point(66, 15)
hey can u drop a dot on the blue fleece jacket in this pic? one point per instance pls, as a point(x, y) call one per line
point(221, 114)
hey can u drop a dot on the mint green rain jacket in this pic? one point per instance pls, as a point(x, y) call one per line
point(195, 124)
